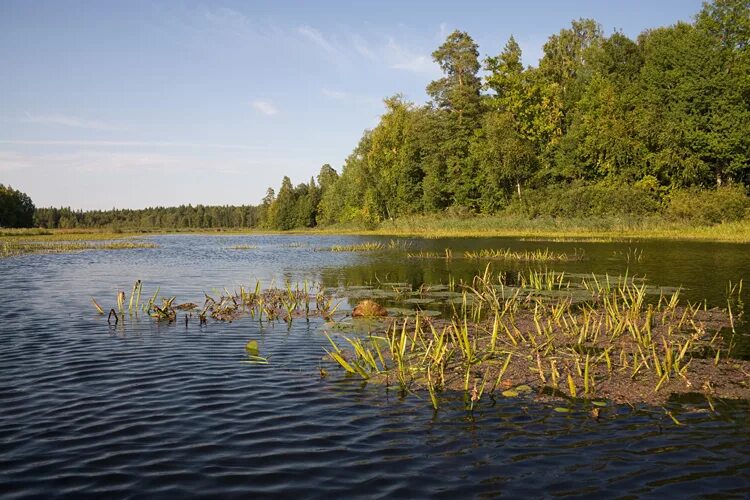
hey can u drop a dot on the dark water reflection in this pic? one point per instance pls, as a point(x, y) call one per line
point(172, 412)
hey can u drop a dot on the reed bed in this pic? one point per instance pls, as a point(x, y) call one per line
point(372, 246)
point(11, 248)
point(502, 342)
point(360, 247)
point(539, 255)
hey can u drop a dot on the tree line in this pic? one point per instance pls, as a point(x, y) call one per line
point(182, 217)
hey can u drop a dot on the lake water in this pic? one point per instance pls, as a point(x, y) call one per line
point(149, 409)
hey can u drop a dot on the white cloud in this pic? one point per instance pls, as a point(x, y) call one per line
point(317, 38)
point(89, 161)
point(147, 144)
point(360, 45)
point(66, 121)
point(407, 59)
point(265, 107)
point(350, 98)
point(336, 95)
point(10, 160)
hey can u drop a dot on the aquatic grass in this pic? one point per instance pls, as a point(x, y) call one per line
point(538, 255)
point(12, 248)
point(361, 247)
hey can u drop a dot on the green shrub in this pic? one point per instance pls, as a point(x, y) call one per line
point(577, 200)
point(712, 206)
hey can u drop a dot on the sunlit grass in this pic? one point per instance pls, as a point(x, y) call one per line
point(10, 248)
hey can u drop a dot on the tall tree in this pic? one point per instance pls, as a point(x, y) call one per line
point(458, 104)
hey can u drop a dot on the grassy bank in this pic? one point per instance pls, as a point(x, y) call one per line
point(614, 229)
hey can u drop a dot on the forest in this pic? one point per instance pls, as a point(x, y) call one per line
point(603, 126)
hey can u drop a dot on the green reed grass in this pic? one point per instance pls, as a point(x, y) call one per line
point(11, 248)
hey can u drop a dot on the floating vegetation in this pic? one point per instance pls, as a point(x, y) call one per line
point(10, 248)
point(545, 255)
point(503, 341)
point(243, 247)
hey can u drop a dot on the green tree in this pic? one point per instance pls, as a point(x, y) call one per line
point(16, 208)
point(450, 178)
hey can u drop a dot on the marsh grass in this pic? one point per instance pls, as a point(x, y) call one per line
point(557, 229)
point(361, 247)
point(538, 255)
point(11, 248)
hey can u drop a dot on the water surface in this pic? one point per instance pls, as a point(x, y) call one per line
point(169, 411)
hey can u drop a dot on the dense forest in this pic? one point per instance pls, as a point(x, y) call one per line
point(603, 126)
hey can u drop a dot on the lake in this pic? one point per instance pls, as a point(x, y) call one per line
point(168, 410)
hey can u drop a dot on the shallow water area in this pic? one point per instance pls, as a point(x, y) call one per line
point(171, 410)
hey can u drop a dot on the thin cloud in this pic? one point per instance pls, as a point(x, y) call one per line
point(66, 121)
point(148, 144)
point(11, 160)
point(137, 161)
point(407, 59)
point(336, 95)
point(350, 98)
point(265, 107)
point(317, 38)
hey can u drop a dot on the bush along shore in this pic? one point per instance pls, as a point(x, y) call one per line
point(600, 339)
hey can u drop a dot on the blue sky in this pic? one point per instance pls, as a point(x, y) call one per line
point(134, 104)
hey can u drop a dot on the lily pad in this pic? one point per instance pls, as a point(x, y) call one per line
point(599, 403)
point(510, 393)
point(523, 389)
point(562, 410)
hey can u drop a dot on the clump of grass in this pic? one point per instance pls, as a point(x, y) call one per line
point(11, 248)
point(447, 254)
point(545, 255)
point(361, 247)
